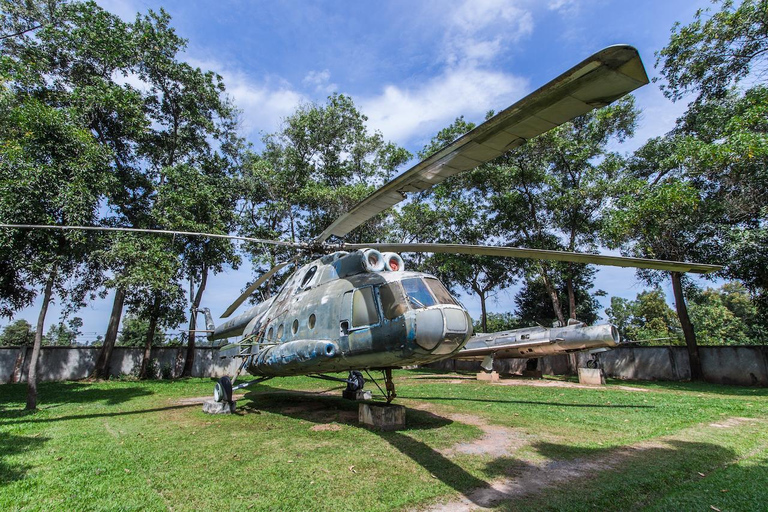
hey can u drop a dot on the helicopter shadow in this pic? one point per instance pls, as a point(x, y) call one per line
point(321, 408)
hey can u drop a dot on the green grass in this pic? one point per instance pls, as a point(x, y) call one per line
point(133, 445)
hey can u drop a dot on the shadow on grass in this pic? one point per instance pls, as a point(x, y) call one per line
point(619, 478)
point(323, 409)
point(528, 402)
point(13, 445)
point(22, 417)
point(51, 394)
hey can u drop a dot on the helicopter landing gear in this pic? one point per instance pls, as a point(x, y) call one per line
point(355, 383)
point(594, 362)
point(390, 385)
point(223, 390)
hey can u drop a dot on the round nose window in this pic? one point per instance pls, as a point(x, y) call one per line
point(312, 320)
point(280, 332)
point(295, 326)
point(270, 332)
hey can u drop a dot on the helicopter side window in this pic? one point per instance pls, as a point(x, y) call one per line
point(441, 294)
point(364, 308)
point(308, 276)
point(393, 301)
point(418, 293)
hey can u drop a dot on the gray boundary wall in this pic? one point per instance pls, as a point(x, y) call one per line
point(737, 365)
point(75, 363)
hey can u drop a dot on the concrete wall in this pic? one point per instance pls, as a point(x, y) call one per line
point(738, 365)
point(744, 366)
point(74, 363)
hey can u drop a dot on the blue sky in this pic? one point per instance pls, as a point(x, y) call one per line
point(411, 67)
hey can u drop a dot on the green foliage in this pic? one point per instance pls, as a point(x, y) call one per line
point(724, 316)
point(496, 322)
point(134, 333)
point(454, 212)
point(647, 319)
point(321, 163)
point(17, 334)
point(715, 51)
point(727, 316)
point(64, 334)
point(534, 304)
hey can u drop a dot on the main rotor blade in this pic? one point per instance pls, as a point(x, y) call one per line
point(158, 231)
point(248, 291)
point(544, 254)
point(602, 78)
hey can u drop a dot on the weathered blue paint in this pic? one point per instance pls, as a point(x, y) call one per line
point(289, 344)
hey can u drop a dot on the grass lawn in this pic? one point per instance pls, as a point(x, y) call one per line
point(124, 445)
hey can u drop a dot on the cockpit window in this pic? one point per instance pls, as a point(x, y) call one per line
point(393, 301)
point(441, 294)
point(418, 293)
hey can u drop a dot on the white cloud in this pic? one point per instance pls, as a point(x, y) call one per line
point(564, 6)
point(478, 30)
point(264, 104)
point(320, 81)
point(402, 114)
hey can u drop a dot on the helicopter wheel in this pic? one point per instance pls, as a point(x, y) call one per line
point(355, 381)
point(223, 390)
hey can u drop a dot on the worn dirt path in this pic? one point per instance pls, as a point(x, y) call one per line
point(533, 478)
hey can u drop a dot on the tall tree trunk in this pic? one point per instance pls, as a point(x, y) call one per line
point(483, 313)
point(189, 361)
point(101, 371)
point(552, 295)
point(571, 297)
point(150, 337)
point(32, 373)
point(688, 331)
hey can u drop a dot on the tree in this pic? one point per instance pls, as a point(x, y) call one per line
point(497, 322)
point(322, 162)
point(456, 212)
point(647, 319)
point(134, 333)
point(727, 316)
point(715, 51)
point(64, 334)
point(726, 126)
point(550, 193)
point(17, 334)
point(664, 214)
point(44, 149)
point(534, 305)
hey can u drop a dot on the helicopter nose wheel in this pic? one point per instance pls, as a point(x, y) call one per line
point(223, 390)
point(355, 381)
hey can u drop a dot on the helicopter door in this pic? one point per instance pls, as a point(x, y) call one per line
point(345, 319)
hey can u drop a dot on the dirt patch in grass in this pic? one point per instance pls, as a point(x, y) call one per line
point(496, 440)
point(532, 479)
point(544, 383)
point(329, 427)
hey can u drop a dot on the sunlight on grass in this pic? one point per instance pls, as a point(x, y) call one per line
point(137, 445)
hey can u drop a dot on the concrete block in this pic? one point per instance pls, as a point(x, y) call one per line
point(361, 394)
point(213, 407)
point(532, 374)
point(382, 417)
point(591, 376)
point(488, 376)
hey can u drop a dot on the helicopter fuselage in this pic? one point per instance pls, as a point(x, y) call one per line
point(340, 313)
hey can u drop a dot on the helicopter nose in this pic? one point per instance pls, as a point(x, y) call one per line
point(442, 330)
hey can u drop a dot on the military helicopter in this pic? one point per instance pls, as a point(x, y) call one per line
point(355, 307)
